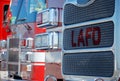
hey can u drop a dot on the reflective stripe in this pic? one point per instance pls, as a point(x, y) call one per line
point(39, 63)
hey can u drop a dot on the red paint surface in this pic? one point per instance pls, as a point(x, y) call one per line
point(38, 69)
point(39, 30)
point(4, 30)
point(38, 73)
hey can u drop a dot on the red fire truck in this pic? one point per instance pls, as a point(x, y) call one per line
point(91, 40)
point(34, 47)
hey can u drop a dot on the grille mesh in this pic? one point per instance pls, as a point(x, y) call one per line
point(13, 56)
point(14, 43)
point(106, 40)
point(12, 67)
point(99, 64)
point(99, 9)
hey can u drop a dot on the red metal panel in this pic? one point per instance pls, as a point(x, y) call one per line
point(39, 30)
point(0, 21)
point(38, 73)
point(38, 66)
point(3, 30)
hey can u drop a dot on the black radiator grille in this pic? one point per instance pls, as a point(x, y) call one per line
point(12, 67)
point(99, 64)
point(106, 36)
point(14, 43)
point(99, 9)
point(13, 56)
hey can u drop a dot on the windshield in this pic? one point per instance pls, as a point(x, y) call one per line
point(25, 10)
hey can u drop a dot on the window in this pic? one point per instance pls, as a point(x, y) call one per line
point(5, 11)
